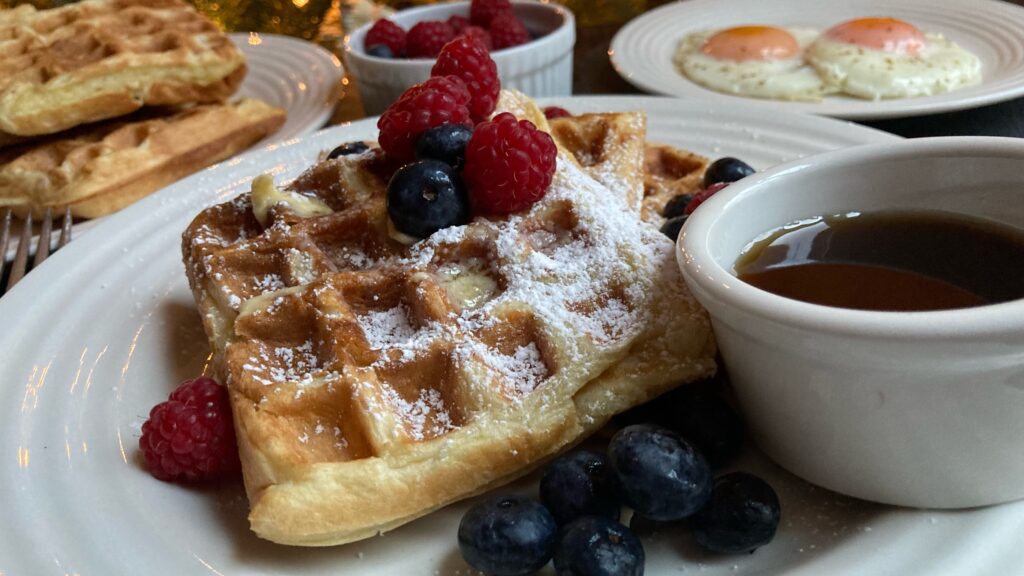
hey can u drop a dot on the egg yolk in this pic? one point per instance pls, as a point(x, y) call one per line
point(886, 34)
point(752, 43)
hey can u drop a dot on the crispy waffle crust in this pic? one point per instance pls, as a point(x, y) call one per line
point(373, 382)
point(99, 169)
point(100, 59)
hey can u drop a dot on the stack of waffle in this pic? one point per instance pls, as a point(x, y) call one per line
point(105, 101)
point(373, 382)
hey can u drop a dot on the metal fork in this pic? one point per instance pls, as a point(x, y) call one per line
point(11, 274)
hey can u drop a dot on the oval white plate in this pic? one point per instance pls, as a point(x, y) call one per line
point(293, 74)
point(107, 327)
point(642, 50)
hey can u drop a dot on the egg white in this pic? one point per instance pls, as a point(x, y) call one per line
point(872, 74)
point(789, 79)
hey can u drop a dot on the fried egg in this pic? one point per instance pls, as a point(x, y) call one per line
point(877, 58)
point(755, 61)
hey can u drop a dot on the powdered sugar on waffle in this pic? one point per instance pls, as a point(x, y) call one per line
point(299, 364)
point(605, 172)
point(424, 416)
point(390, 330)
point(269, 283)
point(387, 328)
point(556, 269)
point(524, 369)
point(591, 280)
point(561, 269)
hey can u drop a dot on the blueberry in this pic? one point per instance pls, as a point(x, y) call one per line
point(596, 546)
point(676, 206)
point(699, 414)
point(580, 484)
point(726, 170)
point(507, 536)
point(661, 476)
point(743, 513)
point(347, 149)
point(446, 143)
point(672, 226)
point(380, 51)
point(426, 196)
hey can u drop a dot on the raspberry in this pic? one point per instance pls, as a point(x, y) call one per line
point(703, 195)
point(389, 34)
point(507, 31)
point(426, 39)
point(439, 100)
point(552, 112)
point(190, 436)
point(479, 34)
point(467, 59)
point(458, 23)
point(509, 165)
point(481, 12)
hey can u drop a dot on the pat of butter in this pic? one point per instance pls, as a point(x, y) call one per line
point(264, 301)
point(265, 196)
point(470, 289)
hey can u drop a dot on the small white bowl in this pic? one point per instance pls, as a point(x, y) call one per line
point(539, 68)
point(922, 409)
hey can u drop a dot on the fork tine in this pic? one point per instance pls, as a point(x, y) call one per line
point(43, 244)
point(65, 228)
point(5, 236)
point(18, 268)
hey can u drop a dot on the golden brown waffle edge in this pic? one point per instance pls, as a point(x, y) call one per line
point(100, 169)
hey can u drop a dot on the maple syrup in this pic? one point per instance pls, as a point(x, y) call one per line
point(891, 261)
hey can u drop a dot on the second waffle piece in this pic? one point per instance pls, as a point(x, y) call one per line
point(99, 169)
point(101, 59)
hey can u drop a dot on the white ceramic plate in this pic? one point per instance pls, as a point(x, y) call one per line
point(286, 72)
point(296, 75)
point(642, 50)
point(107, 327)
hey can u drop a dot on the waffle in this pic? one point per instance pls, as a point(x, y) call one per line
point(99, 169)
point(373, 382)
point(610, 147)
point(669, 172)
point(666, 171)
point(101, 59)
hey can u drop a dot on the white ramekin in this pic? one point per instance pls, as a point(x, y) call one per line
point(542, 67)
point(922, 409)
